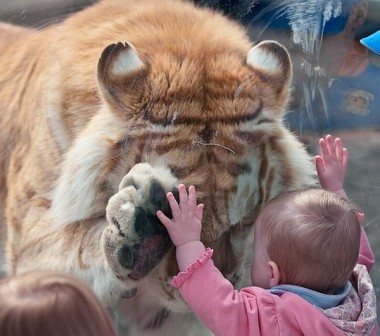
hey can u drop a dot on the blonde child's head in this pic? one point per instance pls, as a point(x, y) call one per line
point(43, 303)
point(313, 236)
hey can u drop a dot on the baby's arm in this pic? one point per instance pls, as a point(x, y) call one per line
point(212, 297)
point(185, 227)
point(331, 165)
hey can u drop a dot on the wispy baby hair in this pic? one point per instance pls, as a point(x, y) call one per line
point(313, 235)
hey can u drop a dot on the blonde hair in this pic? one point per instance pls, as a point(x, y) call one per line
point(313, 236)
point(42, 303)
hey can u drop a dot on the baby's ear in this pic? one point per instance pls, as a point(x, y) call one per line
point(360, 216)
point(276, 276)
point(272, 62)
point(121, 73)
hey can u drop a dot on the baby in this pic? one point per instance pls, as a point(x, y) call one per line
point(310, 265)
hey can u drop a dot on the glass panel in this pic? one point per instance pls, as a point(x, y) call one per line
point(336, 80)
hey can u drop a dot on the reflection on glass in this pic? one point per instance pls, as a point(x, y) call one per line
point(336, 82)
point(336, 79)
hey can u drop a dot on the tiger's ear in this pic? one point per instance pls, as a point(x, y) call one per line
point(121, 73)
point(272, 62)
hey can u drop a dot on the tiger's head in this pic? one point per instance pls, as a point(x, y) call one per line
point(215, 120)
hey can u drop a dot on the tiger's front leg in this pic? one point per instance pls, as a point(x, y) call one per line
point(135, 241)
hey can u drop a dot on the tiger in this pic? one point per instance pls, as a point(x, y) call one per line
point(104, 113)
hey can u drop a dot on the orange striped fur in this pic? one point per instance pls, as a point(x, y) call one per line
point(124, 82)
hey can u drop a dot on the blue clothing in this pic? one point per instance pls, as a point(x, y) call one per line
point(323, 301)
point(354, 102)
point(348, 103)
point(372, 42)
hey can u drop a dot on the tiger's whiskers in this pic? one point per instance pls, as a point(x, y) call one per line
point(213, 144)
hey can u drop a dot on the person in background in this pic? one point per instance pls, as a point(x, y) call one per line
point(43, 303)
point(353, 87)
point(310, 263)
point(348, 91)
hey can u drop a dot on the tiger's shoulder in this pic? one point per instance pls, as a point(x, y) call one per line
point(10, 33)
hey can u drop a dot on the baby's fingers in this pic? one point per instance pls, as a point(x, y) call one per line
point(164, 220)
point(339, 149)
point(330, 144)
point(199, 211)
point(341, 152)
point(192, 198)
point(345, 157)
point(319, 165)
point(183, 198)
point(323, 147)
point(176, 212)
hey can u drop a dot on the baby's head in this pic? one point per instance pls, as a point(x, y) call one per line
point(51, 303)
point(313, 238)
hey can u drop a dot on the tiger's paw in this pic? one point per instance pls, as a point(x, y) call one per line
point(135, 241)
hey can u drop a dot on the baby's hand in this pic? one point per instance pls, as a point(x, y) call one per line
point(331, 164)
point(187, 216)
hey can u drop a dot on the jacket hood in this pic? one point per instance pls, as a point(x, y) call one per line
point(356, 315)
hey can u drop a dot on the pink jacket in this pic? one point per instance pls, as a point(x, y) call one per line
point(256, 311)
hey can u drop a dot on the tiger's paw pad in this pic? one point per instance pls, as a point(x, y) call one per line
point(135, 240)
